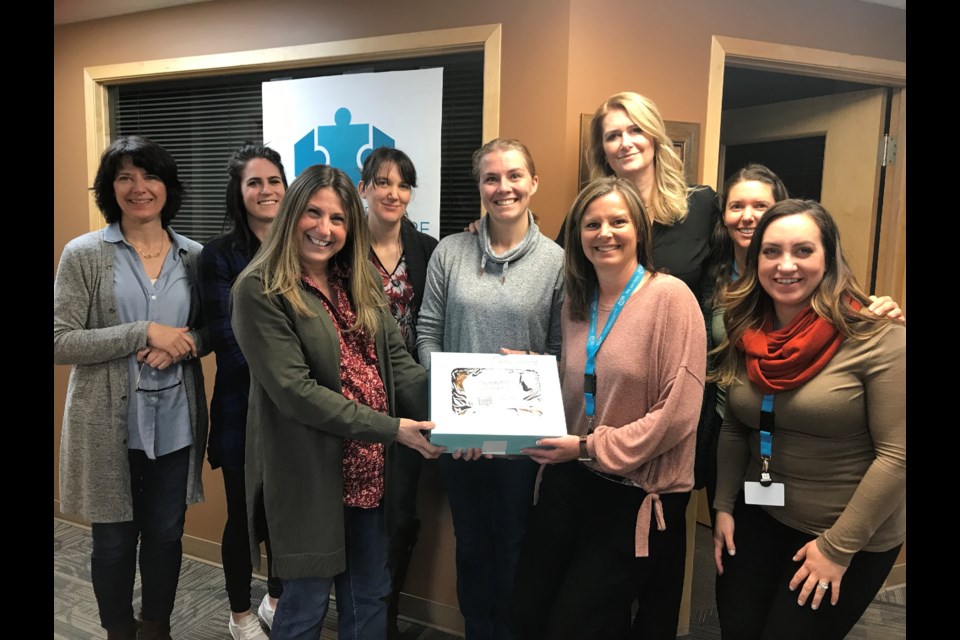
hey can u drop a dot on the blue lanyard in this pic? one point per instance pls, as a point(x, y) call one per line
point(594, 342)
point(766, 438)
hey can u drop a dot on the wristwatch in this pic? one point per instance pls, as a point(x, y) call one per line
point(584, 455)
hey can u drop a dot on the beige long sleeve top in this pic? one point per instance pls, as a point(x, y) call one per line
point(839, 448)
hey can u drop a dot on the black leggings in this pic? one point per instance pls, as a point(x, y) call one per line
point(753, 598)
point(235, 546)
point(578, 572)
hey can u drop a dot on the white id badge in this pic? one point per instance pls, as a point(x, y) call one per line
point(756, 493)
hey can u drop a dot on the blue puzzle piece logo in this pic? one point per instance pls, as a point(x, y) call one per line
point(342, 145)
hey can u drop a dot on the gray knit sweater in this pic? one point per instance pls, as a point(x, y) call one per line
point(477, 302)
point(88, 334)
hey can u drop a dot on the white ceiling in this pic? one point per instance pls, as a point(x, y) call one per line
point(899, 4)
point(66, 11)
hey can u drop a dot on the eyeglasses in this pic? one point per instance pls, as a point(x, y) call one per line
point(167, 388)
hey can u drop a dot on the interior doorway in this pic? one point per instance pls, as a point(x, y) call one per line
point(798, 162)
point(822, 137)
point(885, 87)
point(884, 268)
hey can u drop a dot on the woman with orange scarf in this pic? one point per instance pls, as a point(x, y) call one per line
point(811, 485)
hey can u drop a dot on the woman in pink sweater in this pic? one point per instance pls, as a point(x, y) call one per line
point(609, 523)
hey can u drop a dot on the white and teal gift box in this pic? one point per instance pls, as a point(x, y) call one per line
point(498, 403)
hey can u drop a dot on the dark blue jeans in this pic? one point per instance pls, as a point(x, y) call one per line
point(159, 489)
point(490, 501)
point(361, 590)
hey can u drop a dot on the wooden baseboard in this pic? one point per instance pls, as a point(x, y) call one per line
point(897, 576)
point(68, 517)
point(202, 550)
point(431, 614)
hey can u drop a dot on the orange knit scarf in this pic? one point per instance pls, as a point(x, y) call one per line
point(783, 359)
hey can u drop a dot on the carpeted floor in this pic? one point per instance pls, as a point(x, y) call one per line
point(202, 609)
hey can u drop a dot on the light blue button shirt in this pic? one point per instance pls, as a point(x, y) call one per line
point(157, 423)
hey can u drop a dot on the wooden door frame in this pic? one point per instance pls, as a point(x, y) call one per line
point(768, 56)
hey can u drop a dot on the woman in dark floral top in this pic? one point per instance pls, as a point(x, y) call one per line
point(400, 254)
point(328, 375)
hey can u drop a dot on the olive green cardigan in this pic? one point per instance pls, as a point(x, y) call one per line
point(297, 420)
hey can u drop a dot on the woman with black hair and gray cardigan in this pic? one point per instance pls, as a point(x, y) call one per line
point(126, 315)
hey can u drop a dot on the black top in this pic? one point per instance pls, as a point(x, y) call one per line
point(682, 249)
point(417, 247)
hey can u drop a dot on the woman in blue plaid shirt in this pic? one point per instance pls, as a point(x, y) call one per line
point(257, 185)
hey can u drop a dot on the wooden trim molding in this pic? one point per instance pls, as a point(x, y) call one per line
point(785, 59)
point(813, 62)
point(98, 79)
point(892, 265)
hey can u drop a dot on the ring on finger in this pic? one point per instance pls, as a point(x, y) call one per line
point(823, 585)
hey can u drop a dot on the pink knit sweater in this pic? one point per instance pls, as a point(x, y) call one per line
point(650, 373)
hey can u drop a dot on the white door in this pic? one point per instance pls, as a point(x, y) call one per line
point(853, 125)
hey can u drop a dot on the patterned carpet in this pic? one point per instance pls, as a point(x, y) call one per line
point(202, 609)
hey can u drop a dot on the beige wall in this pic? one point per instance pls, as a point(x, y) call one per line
point(560, 58)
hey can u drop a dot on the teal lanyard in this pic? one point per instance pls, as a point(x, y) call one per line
point(766, 438)
point(594, 342)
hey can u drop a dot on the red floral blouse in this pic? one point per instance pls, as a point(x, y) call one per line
point(360, 381)
point(399, 292)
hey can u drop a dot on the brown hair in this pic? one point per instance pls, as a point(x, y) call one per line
point(722, 256)
point(838, 299)
point(579, 276)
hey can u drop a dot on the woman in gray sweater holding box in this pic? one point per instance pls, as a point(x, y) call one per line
point(500, 290)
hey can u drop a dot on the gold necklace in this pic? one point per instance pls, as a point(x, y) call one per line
point(149, 256)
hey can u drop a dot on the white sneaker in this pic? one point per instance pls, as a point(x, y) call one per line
point(265, 611)
point(247, 629)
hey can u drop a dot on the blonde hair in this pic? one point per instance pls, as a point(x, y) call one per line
point(668, 200)
point(279, 258)
point(503, 144)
